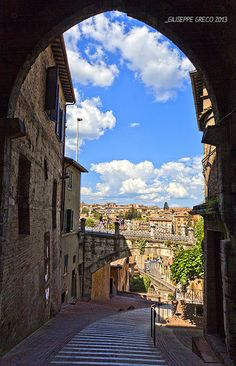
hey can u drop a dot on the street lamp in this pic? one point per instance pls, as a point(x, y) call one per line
point(77, 137)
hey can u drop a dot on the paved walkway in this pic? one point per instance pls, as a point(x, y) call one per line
point(88, 331)
point(40, 347)
point(120, 340)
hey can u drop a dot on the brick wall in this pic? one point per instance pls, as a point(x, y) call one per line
point(23, 303)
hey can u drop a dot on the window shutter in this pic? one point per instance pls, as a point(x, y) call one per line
point(71, 220)
point(51, 96)
point(68, 220)
point(54, 113)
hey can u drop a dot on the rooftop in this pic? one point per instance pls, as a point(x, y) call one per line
point(60, 57)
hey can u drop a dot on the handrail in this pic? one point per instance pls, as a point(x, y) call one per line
point(153, 323)
point(154, 313)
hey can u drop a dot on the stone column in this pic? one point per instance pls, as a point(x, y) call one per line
point(183, 230)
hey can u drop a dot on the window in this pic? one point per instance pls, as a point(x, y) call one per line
point(74, 258)
point(54, 205)
point(54, 113)
point(45, 169)
point(60, 125)
point(52, 102)
point(66, 260)
point(70, 179)
point(23, 187)
point(69, 220)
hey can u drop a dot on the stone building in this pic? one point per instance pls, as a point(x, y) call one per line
point(100, 283)
point(110, 278)
point(161, 224)
point(216, 260)
point(72, 262)
point(30, 255)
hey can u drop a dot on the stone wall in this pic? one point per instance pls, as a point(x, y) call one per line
point(101, 284)
point(24, 306)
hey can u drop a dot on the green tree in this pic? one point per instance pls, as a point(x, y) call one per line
point(142, 245)
point(166, 206)
point(140, 284)
point(85, 210)
point(188, 263)
point(95, 214)
point(90, 222)
point(199, 231)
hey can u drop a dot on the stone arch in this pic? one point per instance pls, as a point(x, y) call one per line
point(46, 20)
point(108, 259)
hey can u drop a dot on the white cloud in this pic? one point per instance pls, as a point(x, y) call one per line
point(96, 73)
point(177, 190)
point(142, 182)
point(134, 124)
point(148, 54)
point(94, 121)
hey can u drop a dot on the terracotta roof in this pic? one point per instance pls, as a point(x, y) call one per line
point(118, 262)
point(197, 87)
point(60, 57)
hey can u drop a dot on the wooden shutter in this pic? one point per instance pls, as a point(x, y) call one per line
point(51, 95)
point(54, 113)
point(71, 220)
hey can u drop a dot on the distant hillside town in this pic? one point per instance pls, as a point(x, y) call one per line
point(166, 220)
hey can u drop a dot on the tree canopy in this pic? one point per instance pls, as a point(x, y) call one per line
point(188, 263)
point(166, 206)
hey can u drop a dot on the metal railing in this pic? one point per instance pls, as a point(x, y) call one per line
point(141, 234)
point(158, 312)
point(190, 296)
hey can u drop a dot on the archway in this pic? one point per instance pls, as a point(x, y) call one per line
point(43, 22)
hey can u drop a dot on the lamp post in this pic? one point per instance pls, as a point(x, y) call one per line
point(77, 137)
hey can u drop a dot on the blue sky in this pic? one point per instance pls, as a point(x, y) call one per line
point(138, 137)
